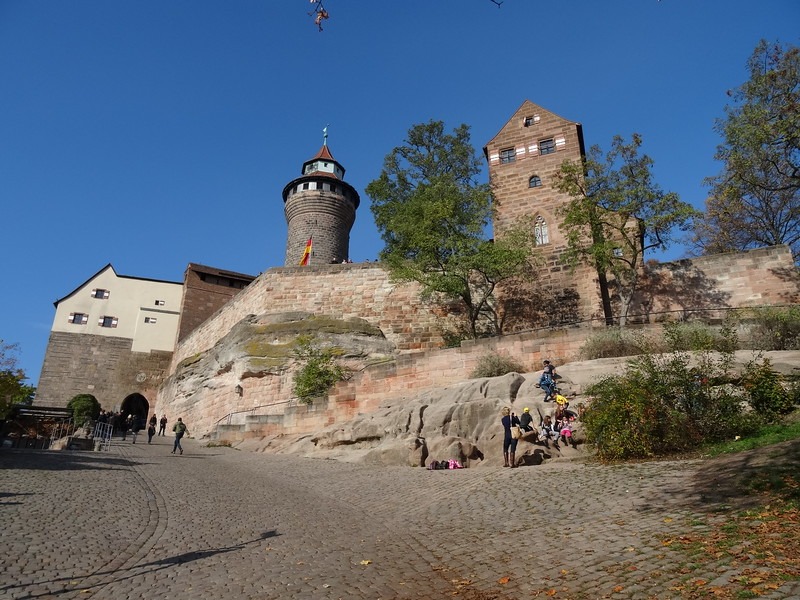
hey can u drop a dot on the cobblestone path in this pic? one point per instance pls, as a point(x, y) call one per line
point(216, 523)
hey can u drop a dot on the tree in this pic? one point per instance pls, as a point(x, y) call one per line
point(318, 372)
point(83, 407)
point(432, 215)
point(13, 390)
point(616, 213)
point(755, 199)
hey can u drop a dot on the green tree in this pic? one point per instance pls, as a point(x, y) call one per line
point(318, 371)
point(83, 407)
point(616, 213)
point(755, 199)
point(13, 389)
point(432, 214)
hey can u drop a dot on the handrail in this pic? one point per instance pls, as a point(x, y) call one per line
point(251, 410)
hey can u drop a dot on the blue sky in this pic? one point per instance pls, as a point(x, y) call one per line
point(155, 133)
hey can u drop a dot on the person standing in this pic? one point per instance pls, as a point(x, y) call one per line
point(162, 425)
point(508, 420)
point(180, 430)
point(136, 426)
point(151, 428)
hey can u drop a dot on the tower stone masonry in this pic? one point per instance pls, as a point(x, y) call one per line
point(319, 206)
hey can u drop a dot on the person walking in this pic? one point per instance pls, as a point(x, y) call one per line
point(136, 426)
point(180, 430)
point(162, 425)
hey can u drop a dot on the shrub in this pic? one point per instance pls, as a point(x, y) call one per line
point(495, 365)
point(776, 328)
point(83, 407)
point(613, 342)
point(662, 404)
point(767, 392)
point(695, 336)
point(319, 371)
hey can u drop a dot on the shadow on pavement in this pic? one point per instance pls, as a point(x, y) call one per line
point(135, 571)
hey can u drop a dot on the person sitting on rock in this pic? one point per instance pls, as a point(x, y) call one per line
point(548, 431)
point(565, 433)
point(561, 404)
point(526, 420)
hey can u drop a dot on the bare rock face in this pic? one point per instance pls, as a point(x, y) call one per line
point(460, 422)
point(260, 348)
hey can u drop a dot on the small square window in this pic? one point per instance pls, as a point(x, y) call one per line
point(305, 185)
point(78, 318)
point(507, 155)
point(107, 321)
point(150, 319)
point(547, 146)
point(528, 121)
point(100, 294)
point(160, 302)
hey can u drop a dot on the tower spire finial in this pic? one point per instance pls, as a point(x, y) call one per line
point(325, 135)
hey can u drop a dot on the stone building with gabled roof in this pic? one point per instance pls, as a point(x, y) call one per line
point(524, 158)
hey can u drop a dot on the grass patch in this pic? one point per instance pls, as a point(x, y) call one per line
point(766, 436)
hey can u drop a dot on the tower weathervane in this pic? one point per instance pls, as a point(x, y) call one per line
point(325, 135)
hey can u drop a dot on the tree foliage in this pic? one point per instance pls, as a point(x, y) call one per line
point(83, 407)
point(432, 214)
point(616, 213)
point(318, 372)
point(13, 389)
point(755, 199)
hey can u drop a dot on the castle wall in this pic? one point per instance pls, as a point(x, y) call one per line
point(765, 276)
point(342, 291)
point(103, 366)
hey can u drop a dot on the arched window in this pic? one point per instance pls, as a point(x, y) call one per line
point(534, 181)
point(540, 234)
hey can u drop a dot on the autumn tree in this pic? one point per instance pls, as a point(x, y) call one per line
point(432, 215)
point(616, 213)
point(755, 199)
point(13, 389)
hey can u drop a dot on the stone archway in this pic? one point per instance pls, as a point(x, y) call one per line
point(137, 405)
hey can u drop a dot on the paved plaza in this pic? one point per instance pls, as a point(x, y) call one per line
point(218, 523)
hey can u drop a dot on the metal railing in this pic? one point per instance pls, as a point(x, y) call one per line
point(102, 435)
point(262, 409)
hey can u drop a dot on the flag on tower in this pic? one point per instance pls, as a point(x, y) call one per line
point(306, 253)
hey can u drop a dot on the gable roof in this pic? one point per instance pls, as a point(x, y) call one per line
point(527, 108)
point(104, 269)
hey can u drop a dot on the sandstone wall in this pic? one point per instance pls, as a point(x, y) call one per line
point(342, 291)
point(766, 276)
point(105, 367)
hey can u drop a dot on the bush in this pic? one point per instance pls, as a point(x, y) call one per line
point(319, 371)
point(613, 342)
point(776, 328)
point(83, 407)
point(768, 394)
point(495, 365)
point(695, 336)
point(662, 405)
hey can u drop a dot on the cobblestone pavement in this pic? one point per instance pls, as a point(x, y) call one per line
point(139, 522)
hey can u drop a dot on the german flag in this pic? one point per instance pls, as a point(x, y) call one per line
point(306, 253)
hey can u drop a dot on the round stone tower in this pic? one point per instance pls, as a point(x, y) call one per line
point(319, 206)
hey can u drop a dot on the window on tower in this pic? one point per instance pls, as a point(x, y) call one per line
point(547, 146)
point(535, 181)
point(540, 234)
point(508, 155)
